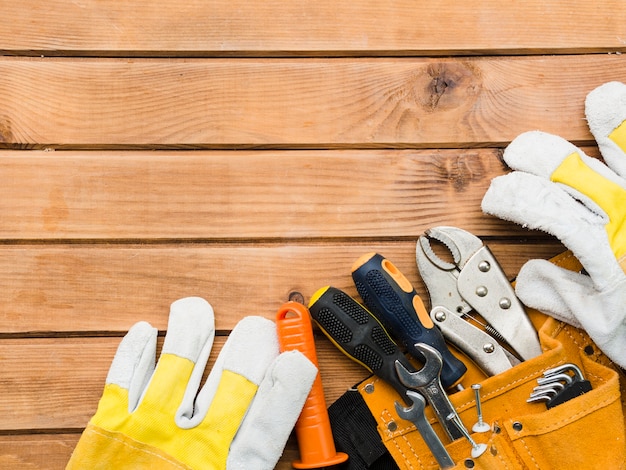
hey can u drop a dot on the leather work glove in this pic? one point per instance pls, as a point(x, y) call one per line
point(154, 418)
point(558, 189)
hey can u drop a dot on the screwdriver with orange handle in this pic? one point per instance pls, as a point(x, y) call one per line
point(313, 431)
point(389, 295)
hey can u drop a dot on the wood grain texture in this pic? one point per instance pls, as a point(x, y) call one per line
point(52, 451)
point(36, 452)
point(69, 374)
point(76, 288)
point(283, 27)
point(242, 151)
point(235, 103)
point(246, 195)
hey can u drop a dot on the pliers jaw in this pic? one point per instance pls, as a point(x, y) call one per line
point(474, 282)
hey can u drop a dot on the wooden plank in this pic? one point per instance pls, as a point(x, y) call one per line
point(324, 27)
point(52, 451)
point(245, 195)
point(56, 383)
point(74, 288)
point(446, 102)
point(37, 451)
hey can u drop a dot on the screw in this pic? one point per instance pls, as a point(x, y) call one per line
point(477, 449)
point(480, 425)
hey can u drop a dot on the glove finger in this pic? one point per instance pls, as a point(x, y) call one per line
point(133, 363)
point(263, 434)
point(538, 204)
point(572, 297)
point(534, 286)
point(605, 109)
point(589, 181)
point(233, 382)
point(185, 352)
point(541, 154)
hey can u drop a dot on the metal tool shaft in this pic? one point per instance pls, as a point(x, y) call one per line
point(415, 414)
point(427, 381)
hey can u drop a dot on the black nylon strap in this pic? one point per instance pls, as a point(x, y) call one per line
point(354, 431)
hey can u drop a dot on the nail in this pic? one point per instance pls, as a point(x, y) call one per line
point(480, 425)
point(477, 449)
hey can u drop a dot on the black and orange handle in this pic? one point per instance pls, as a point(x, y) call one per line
point(359, 335)
point(391, 297)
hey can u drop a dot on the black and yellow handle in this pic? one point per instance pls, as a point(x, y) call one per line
point(358, 334)
point(389, 295)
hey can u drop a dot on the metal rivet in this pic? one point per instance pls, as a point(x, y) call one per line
point(484, 266)
point(440, 315)
point(392, 426)
point(489, 348)
point(481, 291)
point(505, 303)
point(517, 426)
point(369, 388)
point(469, 463)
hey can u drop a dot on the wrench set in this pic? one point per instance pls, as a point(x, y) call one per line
point(472, 306)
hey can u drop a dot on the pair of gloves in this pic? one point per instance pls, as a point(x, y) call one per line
point(556, 188)
point(160, 418)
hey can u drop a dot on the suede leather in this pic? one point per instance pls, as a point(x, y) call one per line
point(99, 449)
point(586, 432)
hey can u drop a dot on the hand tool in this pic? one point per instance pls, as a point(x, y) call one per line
point(313, 431)
point(474, 282)
point(415, 414)
point(478, 345)
point(359, 335)
point(557, 386)
point(427, 382)
point(389, 295)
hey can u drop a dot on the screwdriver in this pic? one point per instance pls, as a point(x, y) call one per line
point(389, 295)
point(359, 335)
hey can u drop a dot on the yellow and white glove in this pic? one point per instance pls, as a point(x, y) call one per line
point(154, 417)
point(558, 189)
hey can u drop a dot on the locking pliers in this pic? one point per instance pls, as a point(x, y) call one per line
point(473, 282)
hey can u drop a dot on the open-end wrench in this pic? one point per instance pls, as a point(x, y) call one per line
point(415, 414)
point(427, 381)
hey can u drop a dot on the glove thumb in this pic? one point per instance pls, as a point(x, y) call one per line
point(571, 297)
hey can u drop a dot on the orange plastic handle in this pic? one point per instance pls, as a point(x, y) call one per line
point(315, 438)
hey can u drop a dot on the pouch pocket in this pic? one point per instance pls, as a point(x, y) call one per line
point(585, 432)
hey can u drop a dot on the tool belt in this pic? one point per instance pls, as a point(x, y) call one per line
point(587, 431)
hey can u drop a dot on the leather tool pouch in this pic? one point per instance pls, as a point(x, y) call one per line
point(585, 432)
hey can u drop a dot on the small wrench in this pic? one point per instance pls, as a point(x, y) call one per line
point(415, 414)
point(427, 381)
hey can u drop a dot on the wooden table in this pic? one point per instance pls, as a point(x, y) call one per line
point(243, 151)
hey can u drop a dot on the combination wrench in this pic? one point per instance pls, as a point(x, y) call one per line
point(427, 381)
point(415, 414)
